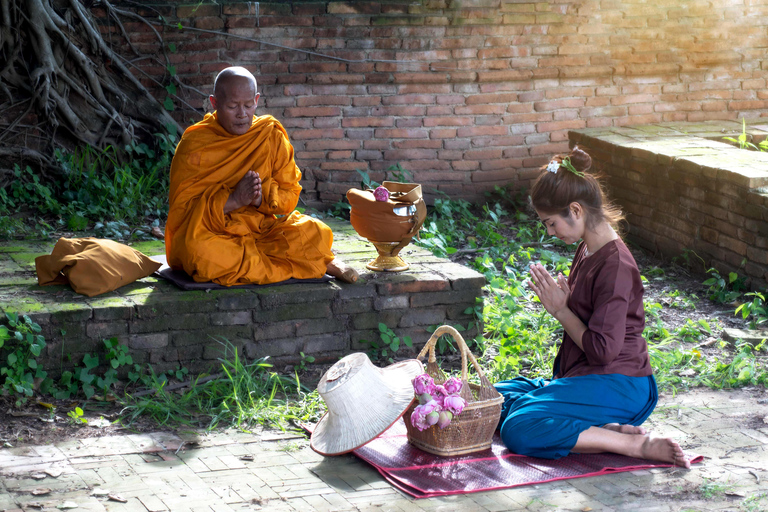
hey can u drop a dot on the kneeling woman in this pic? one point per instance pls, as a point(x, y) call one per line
point(603, 387)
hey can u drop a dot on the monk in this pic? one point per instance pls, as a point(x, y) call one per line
point(234, 187)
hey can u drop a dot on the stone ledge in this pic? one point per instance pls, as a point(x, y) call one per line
point(683, 187)
point(167, 327)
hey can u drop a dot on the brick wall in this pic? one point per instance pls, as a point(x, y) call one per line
point(465, 94)
point(683, 188)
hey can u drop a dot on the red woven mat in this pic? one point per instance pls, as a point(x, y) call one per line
point(423, 475)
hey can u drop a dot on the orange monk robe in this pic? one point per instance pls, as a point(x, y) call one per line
point(247, 245)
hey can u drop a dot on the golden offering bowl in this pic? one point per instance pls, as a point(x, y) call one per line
point(389, 225)
point(388, 260)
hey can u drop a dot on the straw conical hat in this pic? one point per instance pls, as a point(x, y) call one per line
point(363, 401)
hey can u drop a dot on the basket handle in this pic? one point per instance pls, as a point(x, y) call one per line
point(487, 390)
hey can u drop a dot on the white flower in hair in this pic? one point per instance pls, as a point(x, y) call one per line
point(553, 166)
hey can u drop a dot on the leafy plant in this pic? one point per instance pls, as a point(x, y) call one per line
point(76, 416)
point(753, 309)
point(722, 290)
point(742, 139)
point(305, 360)
point(21, 344)
point(390, 343)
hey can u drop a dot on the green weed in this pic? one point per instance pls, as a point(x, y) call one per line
point(722, 290)
point(388, 345)
point(246, 393)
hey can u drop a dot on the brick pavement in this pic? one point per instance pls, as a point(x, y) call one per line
point(209, 472)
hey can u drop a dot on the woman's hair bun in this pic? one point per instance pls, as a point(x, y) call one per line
point(581, 161)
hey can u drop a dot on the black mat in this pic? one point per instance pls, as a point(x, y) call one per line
point(185, 282)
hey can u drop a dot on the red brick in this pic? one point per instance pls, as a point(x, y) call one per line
point(479, 99)
point(543, 106)
point(747, 105)
point(562, 125)
point(396, 133)
point(504, 76)
point(356, 122)
point(410, 154)
point(197, 10)
point(442, 133)
point(241, 21)
point(209, 23)
point(354, 7)
point(448, 121)
point(312, 134)
point(418, 143)
point(475, 131)
point(398, 111)
point(480, 109)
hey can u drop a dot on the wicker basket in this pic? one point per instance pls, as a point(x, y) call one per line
point(473, 429)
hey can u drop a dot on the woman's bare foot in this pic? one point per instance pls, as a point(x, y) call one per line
point(342, 271)
point(664, 449)
point(626, 429)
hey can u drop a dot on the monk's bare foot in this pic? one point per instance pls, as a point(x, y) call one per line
point(664, 449)
point(626, 429)
point(342, 271)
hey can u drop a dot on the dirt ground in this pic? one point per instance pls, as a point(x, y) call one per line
point(38, 424)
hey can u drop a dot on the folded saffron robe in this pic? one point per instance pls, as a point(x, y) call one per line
point(250, 244)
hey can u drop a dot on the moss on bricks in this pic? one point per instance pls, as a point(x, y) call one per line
point(371, 320)
point(68, 311)
point(170, 322)
point(236, 299)
point(412, 283)
point(137, 288)
point(316, 326)
point(8, 265)
point(423, 316)
point(352, 306)
point(111, 308)
point(435, 298)
point(273, 348)
point(148, 341)
point(293, 312)
point(231, 318)
point(325, 343)
point(277, 296)
point(25, 260)
point(18, 279)
point(150, 248)
point(178, 303)
point(15, 300)
point(274, 330)
point(229, 333)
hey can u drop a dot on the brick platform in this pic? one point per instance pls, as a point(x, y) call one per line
point(167, 327)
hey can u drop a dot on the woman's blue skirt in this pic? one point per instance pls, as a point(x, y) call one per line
point(543, 418)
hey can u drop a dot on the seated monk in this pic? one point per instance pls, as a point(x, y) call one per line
point(232, 175)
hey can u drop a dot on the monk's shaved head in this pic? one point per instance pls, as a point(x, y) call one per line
point(227, 77)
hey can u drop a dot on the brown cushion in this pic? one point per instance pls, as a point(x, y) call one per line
point(93, 266)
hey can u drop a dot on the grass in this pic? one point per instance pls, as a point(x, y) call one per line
point(246, 394)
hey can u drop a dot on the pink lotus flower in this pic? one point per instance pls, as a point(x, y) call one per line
point(424, 416)
point(454, 403)
point(381, 193)
point(439, 394)
point(423, 384)
point(445, 419)
point(453, 385)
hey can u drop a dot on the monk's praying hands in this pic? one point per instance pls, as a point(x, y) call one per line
point(247, 192)
point(552, 294)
